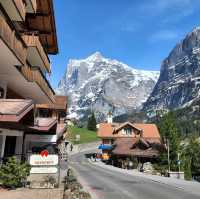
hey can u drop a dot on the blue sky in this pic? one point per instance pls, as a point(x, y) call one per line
point(140, 33)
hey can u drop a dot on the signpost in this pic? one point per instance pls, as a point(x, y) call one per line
point(44, 163)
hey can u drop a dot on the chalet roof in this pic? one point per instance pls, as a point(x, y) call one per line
point(148, 130)
point(59, 104)
point(13, 110)
point(131, 146)
point(117, 128)
point(44, 22)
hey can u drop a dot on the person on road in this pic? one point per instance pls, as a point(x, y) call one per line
point(71, 147)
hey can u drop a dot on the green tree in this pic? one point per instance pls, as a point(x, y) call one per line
point(192, 155)
point(92, 123)
point(187, 168)
point(13, 173)
point(169, 131)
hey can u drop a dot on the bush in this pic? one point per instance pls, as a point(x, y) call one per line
point(13, 173)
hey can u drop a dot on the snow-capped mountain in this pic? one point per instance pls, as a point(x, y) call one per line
point(99, 84)
point(179, 81)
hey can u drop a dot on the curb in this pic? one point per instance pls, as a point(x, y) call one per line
point(149, 178)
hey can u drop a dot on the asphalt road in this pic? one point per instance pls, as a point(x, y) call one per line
point(107, 184)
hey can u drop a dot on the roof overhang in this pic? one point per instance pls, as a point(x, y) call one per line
point(59, 104)
point(44, 124)
point(127, 124)
point(14, 110)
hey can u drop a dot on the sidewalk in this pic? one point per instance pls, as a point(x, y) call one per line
point(32, 194)
point(176, 183)
point(78, 148)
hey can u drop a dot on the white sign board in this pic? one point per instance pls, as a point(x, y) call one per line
point(44, 170)
point(38, 160)
point(78, 137)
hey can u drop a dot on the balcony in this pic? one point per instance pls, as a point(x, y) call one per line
point(12, 40)
point(35, 75)
point(31, 6)
point(15, 9)
point(36, 54)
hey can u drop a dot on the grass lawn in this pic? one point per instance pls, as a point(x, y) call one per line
point(86, 136)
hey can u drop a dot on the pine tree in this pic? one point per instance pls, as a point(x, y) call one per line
point(92, 123)
point(168, 130)
point(192, 154)
point(13, 173)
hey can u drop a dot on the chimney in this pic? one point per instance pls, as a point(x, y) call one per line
point(110, 118)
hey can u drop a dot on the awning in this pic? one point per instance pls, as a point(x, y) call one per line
point(105, 147)
point(44, 124)
point(13, 110)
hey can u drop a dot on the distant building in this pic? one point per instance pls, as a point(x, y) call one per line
point(123, 140)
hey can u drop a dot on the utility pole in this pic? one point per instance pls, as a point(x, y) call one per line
point(179, 163)
point(168, 158)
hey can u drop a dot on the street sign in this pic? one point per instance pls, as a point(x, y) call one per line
point(44, 153)
point(44, 170)
point(78, 137)
point(43, 160)
point(178, 162)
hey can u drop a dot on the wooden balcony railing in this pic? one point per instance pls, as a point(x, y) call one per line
point(35, 75)
point(34, 41)
point(12, 40)
point(32, 4)
point(20, 6)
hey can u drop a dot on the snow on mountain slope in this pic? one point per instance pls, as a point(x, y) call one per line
point(179, 81)
point(99, 84)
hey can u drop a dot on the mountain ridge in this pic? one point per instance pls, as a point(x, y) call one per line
point(179, 82)
point(101, 84)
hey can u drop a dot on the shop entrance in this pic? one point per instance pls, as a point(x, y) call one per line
point(10, 145)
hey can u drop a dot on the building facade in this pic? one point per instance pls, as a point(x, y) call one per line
point(31, 116)
point(122, 141)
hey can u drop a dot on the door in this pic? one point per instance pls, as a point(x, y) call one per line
point(10, 145)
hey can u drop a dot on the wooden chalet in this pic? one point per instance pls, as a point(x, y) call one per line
point(31, 115)
point(131, 140)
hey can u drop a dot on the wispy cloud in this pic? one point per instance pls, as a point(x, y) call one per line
point(164, 35)
point(174, 10)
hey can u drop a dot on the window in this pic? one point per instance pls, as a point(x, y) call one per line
point(128, 131)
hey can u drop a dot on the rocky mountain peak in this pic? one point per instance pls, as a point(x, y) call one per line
point(179, 82)
point(97, 56)
point(101, 85)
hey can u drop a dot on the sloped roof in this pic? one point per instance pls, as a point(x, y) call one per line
point(13, 110)
point(117, 128)
point(148, 130)
point(124, 146)
point(105, 130)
